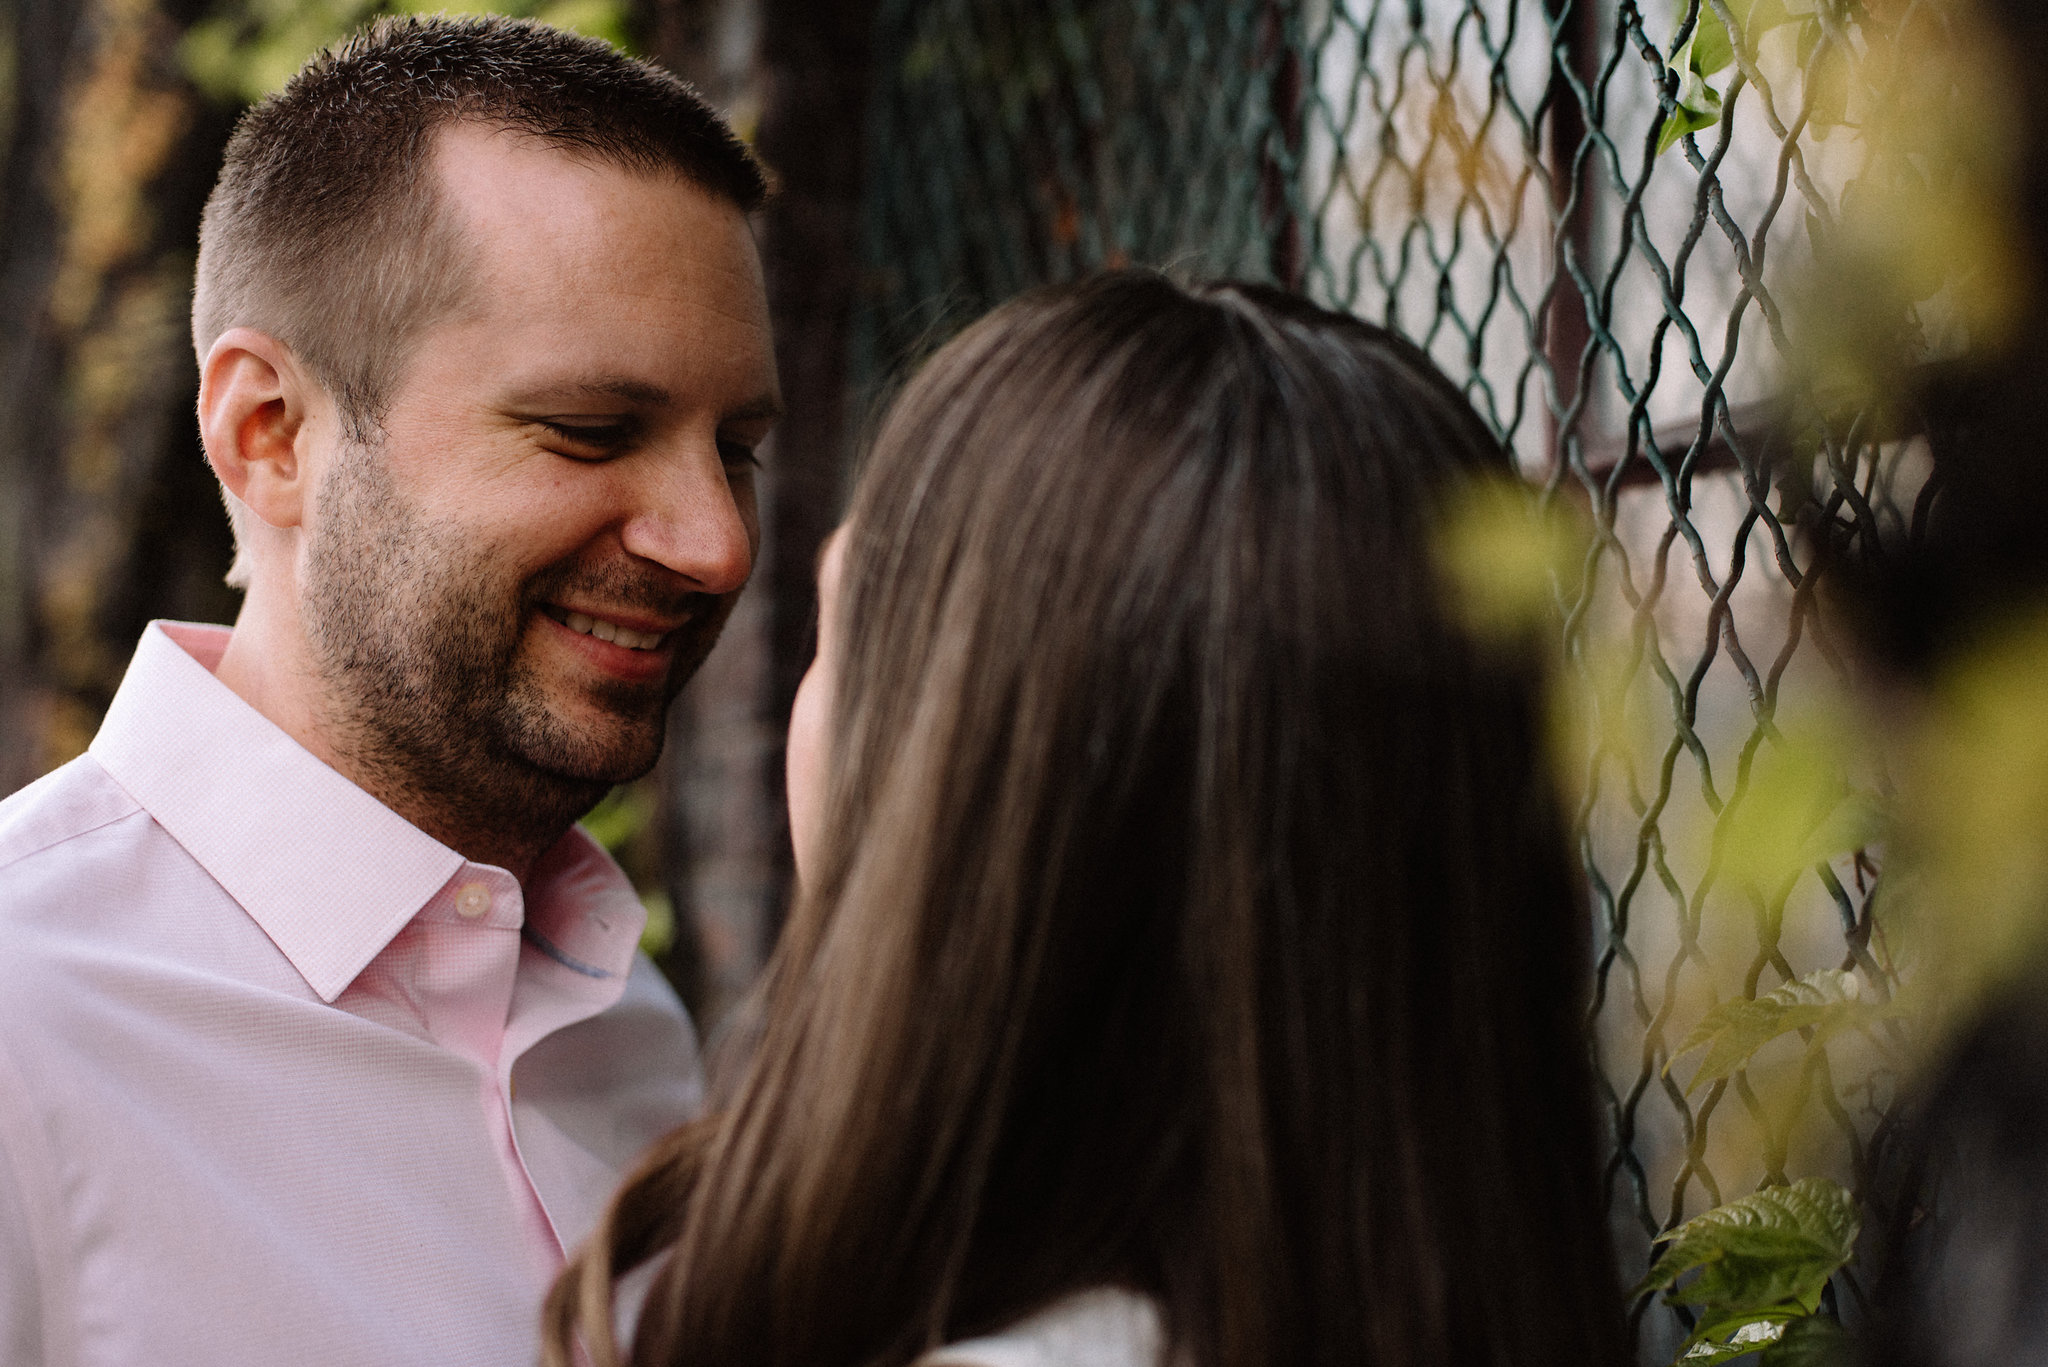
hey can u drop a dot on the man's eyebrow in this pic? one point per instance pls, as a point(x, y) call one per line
point(640, 394)
point(632, 391)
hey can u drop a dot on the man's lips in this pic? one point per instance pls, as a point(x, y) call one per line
point(620, 629)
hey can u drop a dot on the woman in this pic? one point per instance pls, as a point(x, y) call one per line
point(1187, 965)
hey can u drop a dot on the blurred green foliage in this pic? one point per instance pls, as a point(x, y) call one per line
point(245, 49)
point(1902, 108)
point(1800, 809)
point(1503, 556)
point(625, 814)
point(1920, 259)
point(1923, 260)
point(1974, 876)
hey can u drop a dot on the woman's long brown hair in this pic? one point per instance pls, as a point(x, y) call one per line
point(1191, 911)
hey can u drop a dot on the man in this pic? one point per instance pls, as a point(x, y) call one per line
point(322, 1031)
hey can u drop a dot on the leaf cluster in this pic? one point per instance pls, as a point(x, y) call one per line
point(1709, 49)
point(1828, 1003)
point(1757, 1268)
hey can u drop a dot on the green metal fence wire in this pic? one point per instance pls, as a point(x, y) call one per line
point(1486, 176)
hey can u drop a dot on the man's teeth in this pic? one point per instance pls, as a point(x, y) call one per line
point(611, 631)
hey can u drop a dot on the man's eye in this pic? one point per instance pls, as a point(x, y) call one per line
point(587, 438)
point(737, 454)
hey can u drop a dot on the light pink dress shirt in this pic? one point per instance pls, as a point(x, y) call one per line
point(283, 1080)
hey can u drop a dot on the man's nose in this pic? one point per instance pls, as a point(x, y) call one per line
point(695, 517)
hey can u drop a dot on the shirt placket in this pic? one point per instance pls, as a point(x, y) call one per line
point(463, 987)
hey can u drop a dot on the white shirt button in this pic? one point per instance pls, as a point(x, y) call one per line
point(473, 901)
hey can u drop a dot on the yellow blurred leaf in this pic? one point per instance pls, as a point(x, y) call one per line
point(1826, 1002)
point(660, 933)
point(1924, 258)
point(1503, 554)
point(1798, 810)
point(625, 812)
point(1971, 895)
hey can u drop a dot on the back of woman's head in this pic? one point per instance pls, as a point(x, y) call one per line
point(1189, 909)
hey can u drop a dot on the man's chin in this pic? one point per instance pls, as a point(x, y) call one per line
point(602, 752)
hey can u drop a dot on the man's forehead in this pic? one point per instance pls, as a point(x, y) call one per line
point(535, 216)
point(481, 166)
point(593, 281)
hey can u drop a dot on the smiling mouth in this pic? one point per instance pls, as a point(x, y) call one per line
point(605, 631)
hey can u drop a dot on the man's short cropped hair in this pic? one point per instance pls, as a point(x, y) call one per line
point(325, 229)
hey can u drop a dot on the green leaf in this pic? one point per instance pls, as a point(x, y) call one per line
point(1809, 1214)
point(1710, 46)
point(1704, 111)
point(1762, 1263)
point(1707, 50)
point(1697, 105)
point(1831, 1001)
point(1765, 1256)
point(1757, 1271)
point(1815, 1341)
point(1722, 1343)
point(1759, 17)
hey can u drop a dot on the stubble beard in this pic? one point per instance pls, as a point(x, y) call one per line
point(416, 637)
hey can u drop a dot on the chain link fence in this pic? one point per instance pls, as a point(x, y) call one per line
point(1505, 182)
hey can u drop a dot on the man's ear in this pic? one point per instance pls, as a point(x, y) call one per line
point(255, 402)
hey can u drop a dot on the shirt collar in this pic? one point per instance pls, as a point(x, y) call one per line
point(329, 873)
point(582, 911)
